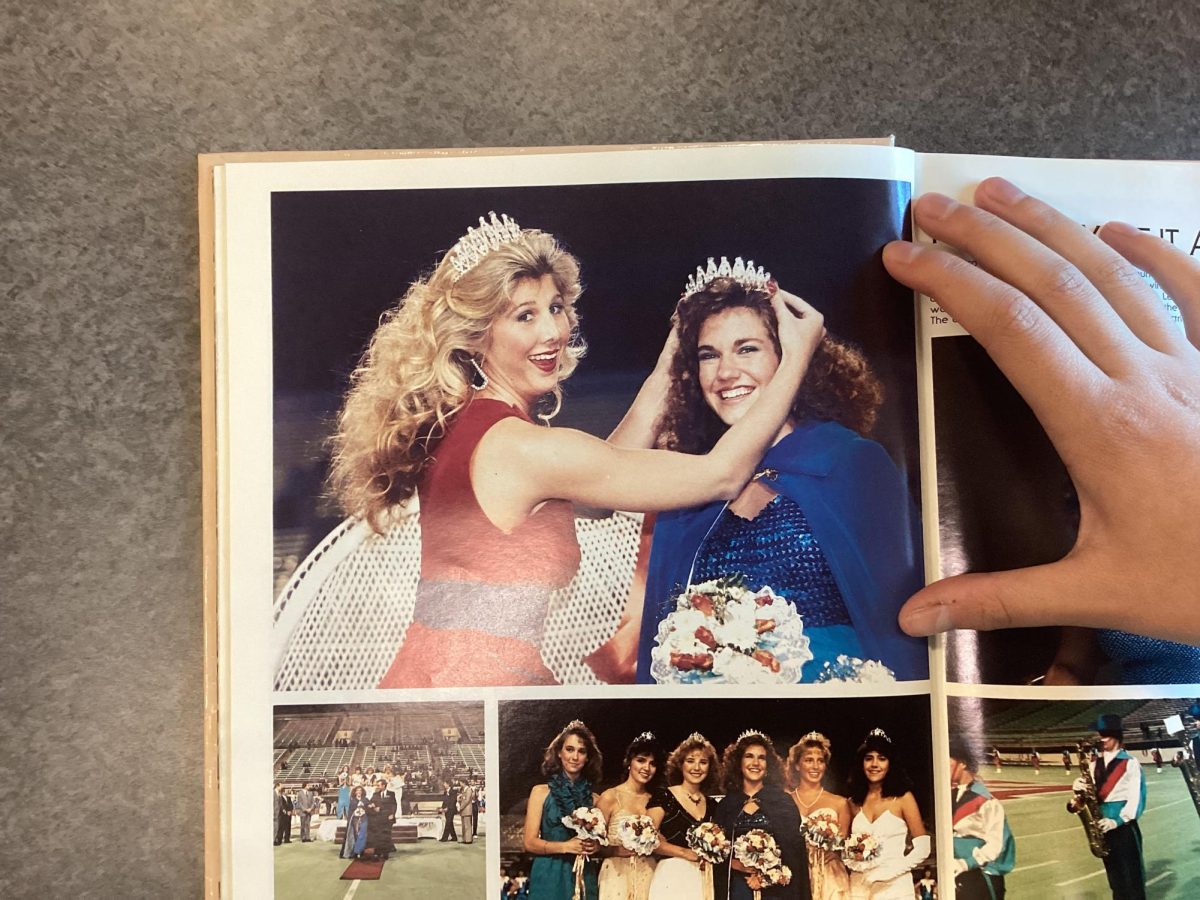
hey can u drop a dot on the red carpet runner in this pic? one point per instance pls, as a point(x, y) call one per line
point(363, 870)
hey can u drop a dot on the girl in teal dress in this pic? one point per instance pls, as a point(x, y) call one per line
point(572, 764)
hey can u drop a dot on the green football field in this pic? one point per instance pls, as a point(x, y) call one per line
point(1053, 859)
point(414, 872)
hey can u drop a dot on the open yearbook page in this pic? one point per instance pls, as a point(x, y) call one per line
point(560, 506)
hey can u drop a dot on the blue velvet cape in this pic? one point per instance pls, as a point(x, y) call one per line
point(860, 512)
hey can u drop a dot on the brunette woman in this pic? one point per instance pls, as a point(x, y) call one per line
point(884, 806)
point(625, 875)
point(755, 799)
point(571, 764)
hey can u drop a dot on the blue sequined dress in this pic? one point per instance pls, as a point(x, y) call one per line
point(1143, 660)
point(777, 549)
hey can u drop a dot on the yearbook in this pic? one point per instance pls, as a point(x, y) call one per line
point(559, 504)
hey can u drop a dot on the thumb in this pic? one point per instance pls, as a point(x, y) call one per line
point(1052, 594)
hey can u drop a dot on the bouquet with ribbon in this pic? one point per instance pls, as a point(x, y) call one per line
point(588, 824)
point(708, 841)
point(638, 834)
point(822, 832)
point(860, 851)
point(758, 852)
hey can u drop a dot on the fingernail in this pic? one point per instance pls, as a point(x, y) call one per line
point(900, 252)
point(936, 206)
point(1124, 229)
point(1002, 191)
point(923, 621)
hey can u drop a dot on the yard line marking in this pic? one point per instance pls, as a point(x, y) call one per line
point(1021, 837)
point(1034, 866)
point(1151, 809)
point(1158, 877)
point(1080, 878)
point(353, 890)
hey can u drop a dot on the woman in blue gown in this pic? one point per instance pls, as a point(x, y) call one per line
point(755, 799)
point(571, 764)
point(827, 522)
point(356, 825)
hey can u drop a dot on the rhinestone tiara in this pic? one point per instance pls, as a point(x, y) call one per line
point(815, 736)
point(697, 738)
point(743, 273)
point(751, 732)
point(492, 233)
point(644, 736)
point(879, 733)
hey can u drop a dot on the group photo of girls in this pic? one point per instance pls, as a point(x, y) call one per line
point(469, 382)
point(716, 799)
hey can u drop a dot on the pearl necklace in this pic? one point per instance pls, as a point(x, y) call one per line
point(807, 806)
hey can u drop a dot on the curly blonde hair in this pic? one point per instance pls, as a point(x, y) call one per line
point(416, 372)
point(839, 385)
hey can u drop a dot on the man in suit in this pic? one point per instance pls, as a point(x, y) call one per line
point(466, 809)
point(283, 816)
point(1121, 790)
point(984, 849)
point(307, 803)
point(449, 807)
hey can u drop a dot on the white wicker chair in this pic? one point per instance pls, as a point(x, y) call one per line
point(341, 617)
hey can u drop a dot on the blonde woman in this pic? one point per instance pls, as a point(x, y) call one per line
point(807, 764)
point(444, 405)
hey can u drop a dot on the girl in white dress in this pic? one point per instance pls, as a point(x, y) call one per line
point(624, 875)
point(884, 807)
point(694, 774)
point(807, 762)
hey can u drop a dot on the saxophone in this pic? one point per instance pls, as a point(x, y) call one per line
point(1087, 806)
point(1189, 768)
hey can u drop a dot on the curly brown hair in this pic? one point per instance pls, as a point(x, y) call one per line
point(690, 744)
point(731, 762)
point(839, 385)
point(593, 770)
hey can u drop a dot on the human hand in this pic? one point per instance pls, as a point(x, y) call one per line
point(1066, 316)
point(1107, 825)
point(754, 882)
point(801, 326)
point(1079, 785)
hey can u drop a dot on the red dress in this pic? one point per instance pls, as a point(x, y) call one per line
point(483, 594)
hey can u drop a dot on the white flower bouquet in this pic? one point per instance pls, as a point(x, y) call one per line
point(708, 841)
point(721, 632)
point(638, 834)
point(860, 851)
point(852, 670)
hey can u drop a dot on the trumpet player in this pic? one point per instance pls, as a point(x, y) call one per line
point(1121, 792)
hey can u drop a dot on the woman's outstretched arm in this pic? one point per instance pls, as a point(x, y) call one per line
point(1116, 385)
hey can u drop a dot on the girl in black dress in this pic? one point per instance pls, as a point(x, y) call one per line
point(693, 775)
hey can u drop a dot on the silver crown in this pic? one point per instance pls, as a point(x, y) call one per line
point(573, 725)
point(696, 738)
point(479, 242)
point(879, 733)
point(751, 732)
point(815, 736)
point(644, 736)
point(742, 272)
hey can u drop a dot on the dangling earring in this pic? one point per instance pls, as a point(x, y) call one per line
point(482, 382)
point(546, 417)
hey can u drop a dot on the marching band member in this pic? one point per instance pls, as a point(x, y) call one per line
point(984, 850)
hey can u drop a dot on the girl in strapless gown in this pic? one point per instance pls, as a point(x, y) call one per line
point(694, 774)
point(886, 809)
point(623, 874)
point(807, 762)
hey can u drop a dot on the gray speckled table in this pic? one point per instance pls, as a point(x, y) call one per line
point(106, 106)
